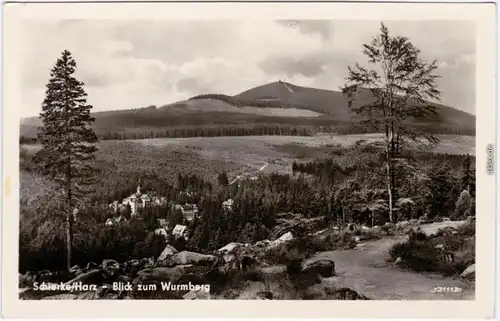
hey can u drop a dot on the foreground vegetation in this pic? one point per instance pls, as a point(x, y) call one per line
point(448, 252)
point(343, 188)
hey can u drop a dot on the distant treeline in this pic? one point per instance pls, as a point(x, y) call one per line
point(237, 102)
point(247, 130)
point(271, 130)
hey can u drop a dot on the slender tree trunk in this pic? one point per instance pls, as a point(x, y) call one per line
point(389, 180)
point(69, 217)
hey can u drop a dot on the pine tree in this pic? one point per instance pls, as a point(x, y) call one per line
point(68, 142)
point(223, 180)
point(401, 83)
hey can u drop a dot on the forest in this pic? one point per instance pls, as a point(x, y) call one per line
point(341, 188)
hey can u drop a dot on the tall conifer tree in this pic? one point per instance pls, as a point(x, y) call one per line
point(68, 141)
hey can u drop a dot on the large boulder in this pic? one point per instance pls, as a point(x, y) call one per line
point(324, 268)
point(402, 225)
point(110, 267)
point(168, 251)
point(286, 237)
point(186, 257)
point(159, 274)
point(230, 248)
point(197, 295)
point(263, 243)
point(281, 240)
point(469, 273)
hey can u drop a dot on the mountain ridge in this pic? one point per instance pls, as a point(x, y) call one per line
point(278, 103)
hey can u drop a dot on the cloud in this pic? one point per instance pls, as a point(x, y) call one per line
point(129, 64)
point(308, 66)
point(322, 28)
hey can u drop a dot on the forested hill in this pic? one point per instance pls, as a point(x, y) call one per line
point(278, 108)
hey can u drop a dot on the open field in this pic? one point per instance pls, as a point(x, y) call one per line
point(448, 143)
point(280, 150)
point(241, 154)
point(215, 105)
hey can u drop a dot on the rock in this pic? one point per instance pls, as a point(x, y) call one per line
point(469, 273)
point(286, 237)
point(264, 295)
point(348, 294)
point(168, 251)
point(63, 296)
point(384, 233)
point(159, 274)
point(402, 225)
point(191, 295)
point(110, 267)
point(197, 295)
point(398, 260)
point(75, 270)
point(319, 232)
point(229, 258)
point(230, 248)
point(439, 247)
point(445, 219)
point(351, 228)
point(413, 221)
point(283, 239)
point(90, 295)
point(262, 243)
point(124, 279)
point(365, 228)
point(325, 268)
point(357, 239)
point(23, 281)
point(186, 257)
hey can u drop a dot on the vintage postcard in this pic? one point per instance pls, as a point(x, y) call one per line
point(198, 159)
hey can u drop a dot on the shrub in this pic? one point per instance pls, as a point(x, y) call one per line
point(416, 255)
point(420, 253)
point(464, 206)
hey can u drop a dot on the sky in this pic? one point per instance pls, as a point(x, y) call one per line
point(133, 64)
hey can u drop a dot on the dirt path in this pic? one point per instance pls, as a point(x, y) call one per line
point(365, 270)
point(288, 87)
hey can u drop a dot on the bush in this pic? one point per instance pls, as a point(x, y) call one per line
point(420, 253)
point(416, 255)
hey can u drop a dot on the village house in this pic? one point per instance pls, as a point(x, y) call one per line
point(180, 231)
point(189, 211)
point(139, 200)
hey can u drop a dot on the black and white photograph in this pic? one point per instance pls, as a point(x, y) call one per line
point(240, 159)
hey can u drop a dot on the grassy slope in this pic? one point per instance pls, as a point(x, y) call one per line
point(334, 103)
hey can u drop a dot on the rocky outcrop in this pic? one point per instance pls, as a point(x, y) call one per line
point(186, 257)
point(469, 273)
point(297, 224)
point(324, 268)
point(159, 274)
point(167, 252)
